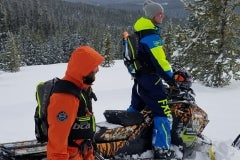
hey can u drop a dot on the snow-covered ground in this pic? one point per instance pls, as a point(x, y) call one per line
point(113, 89)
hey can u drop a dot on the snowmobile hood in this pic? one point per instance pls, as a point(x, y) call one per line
point(83, 61)
point(143, 24)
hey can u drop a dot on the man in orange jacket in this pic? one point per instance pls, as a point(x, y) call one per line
point(64, 109)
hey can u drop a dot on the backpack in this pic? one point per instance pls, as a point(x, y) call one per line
point(130, 50)
point(131, 44)
point(43, 92)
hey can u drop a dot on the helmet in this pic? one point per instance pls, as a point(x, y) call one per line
point(182, 77)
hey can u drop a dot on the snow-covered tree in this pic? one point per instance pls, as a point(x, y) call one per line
point(213, 53)
point(11, 55)
point(3, 27)
point(175, 39)
point(107, 50)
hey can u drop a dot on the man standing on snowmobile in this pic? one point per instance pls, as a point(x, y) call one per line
point(148, 89)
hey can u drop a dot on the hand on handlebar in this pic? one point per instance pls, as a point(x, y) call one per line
point(173, 87)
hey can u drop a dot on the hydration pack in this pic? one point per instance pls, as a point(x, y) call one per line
point(43, 92)
point(131, 44)
point(130, 50)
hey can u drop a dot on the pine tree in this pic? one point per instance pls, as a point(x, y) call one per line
point(3, 27)
point(38, 22)
point(175, 40)
point(213, 53)
point(11, 57)
point(106, 50)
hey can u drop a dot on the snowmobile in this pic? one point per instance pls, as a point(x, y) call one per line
point(129, 133)
point(132, 133)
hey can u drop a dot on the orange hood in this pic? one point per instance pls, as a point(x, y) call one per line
point(83, 61)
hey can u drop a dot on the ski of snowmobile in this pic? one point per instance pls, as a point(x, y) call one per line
point(27, 150)
point(202, 145)
point(23, 150)
point(236, 142)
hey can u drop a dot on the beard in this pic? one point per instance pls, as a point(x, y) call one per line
point(89, 79)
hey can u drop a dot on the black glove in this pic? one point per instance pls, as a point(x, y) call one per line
point(91, 94)
point(173, 87)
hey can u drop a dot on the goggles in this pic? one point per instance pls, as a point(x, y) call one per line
point(179, 78)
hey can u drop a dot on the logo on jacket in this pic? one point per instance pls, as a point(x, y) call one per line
point(62, 116)
point(157, 43)
point(83, 125)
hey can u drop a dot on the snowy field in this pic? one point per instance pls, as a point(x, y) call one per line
point(113, 89)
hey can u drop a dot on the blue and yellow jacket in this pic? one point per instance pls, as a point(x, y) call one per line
point(151, 49)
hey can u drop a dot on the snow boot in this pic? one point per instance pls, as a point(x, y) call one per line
point(178, 151)
point(163, 154)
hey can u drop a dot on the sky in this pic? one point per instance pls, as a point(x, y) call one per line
point(113, 90)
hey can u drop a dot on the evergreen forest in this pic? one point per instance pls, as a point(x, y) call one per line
point(39, 32)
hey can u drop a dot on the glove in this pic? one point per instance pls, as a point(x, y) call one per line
point(173, 87)
point(91, 94)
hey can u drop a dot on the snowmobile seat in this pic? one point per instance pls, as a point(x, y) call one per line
point(123, 117)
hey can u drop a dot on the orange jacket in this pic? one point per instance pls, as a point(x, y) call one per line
point(63, 107)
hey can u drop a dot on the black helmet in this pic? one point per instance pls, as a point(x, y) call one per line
point(182, 77)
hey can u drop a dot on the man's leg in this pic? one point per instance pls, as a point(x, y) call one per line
point(137, 103)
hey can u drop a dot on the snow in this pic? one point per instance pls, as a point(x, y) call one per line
point(113, 89)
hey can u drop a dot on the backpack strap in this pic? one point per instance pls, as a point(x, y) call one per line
point(145, 66)
point(64, 86)
point(145, 32)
